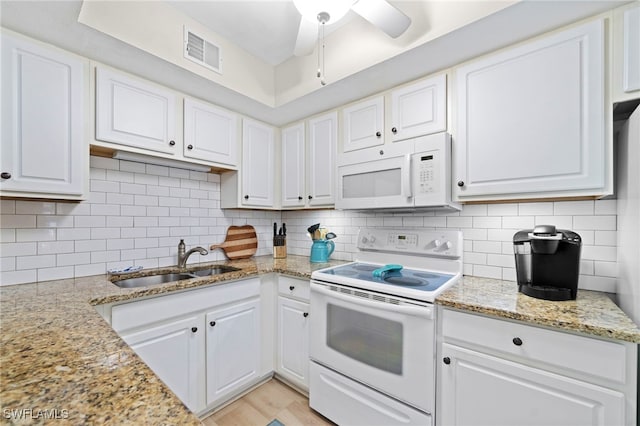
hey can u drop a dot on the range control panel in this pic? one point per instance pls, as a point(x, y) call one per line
point(428, 242)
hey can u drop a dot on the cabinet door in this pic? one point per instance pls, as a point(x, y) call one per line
point(323, 135)
point(631, 50)
point(419, 109)
point(258, 148)
point(293, 341)
point(44, 151)
point(134, 113)
point(293, 166)
point(531, 119)
point(233, 349)
point(210, 133)
point(478, 389)
point(174, 352)
point(363, 125)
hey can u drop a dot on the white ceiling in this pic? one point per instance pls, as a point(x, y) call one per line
point(265, 28)
point(269, 28)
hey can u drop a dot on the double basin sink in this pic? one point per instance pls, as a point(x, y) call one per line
point(172, 276)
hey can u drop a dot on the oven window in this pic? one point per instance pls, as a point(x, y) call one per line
point(367, 338)
point(382, 183)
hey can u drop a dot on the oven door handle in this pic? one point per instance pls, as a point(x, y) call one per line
point(423, 311)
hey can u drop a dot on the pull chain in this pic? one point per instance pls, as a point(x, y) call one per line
point(321, 73)
point(323, 61)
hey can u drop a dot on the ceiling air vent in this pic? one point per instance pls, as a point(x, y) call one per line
point(202, 52)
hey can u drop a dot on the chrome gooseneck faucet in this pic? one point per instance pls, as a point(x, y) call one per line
point(182, 256)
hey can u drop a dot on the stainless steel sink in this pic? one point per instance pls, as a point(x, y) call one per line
point(151, 280)
point(216, 270)
point(170, 277)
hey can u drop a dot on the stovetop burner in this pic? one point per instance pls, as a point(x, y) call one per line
point(416, 279)
point(432, 260)
point(407, 281)
point(364, 267)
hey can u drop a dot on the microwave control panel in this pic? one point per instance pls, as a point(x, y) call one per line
point(428, 172)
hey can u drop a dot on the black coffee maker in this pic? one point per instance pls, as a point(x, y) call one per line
point(547, 262)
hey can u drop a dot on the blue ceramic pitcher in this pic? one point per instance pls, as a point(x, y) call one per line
point(321, 250)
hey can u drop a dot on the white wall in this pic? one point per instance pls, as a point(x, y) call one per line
point(136, 215)
point(629, 217)
point(488, 232)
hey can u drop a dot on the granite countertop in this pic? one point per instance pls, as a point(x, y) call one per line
point(592, 312)
point(58, 355)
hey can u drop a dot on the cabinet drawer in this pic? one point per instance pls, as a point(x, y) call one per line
point(567, 351)
point(135, 314)
point(293, 287)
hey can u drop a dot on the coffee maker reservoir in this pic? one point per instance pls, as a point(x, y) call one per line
point(547, 262)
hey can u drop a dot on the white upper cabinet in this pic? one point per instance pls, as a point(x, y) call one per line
point(258, 168)
point(321, 170)
point(531, 120)
point(625, 75)
point(44, 150)
point(363, 125)
point(210, 133)
point(293, 166)
point(135, 113)
point(419, 109)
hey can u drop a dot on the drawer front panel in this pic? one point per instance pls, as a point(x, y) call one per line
point(558, 349)
point(292, 287)
point(135, 314)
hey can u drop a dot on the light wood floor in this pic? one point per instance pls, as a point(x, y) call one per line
point(273, 400)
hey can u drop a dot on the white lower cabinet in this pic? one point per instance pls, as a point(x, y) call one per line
point(174, 352)
point(495, 372)
point(293, 341)
point(292, 360)
point(478, 389)
point(233, 349)
point(205, 344)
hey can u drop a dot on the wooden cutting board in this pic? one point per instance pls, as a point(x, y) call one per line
point(241, 242)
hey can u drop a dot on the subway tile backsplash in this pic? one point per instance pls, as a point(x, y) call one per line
point(488, 231)
point(137, 213)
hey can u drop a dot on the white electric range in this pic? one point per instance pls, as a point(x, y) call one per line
point(373, 327)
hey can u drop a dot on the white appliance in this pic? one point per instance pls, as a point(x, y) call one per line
point(409, 175)
point(373, 346)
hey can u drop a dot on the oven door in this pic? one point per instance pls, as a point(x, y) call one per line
point(380, 183)
point(385, 344)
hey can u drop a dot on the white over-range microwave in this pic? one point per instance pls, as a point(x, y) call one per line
point(411, 175)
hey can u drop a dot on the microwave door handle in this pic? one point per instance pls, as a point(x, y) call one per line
point(425, 311)
point(406, 176)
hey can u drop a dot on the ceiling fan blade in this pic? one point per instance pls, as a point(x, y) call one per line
point(307, 37)
point(383, 15)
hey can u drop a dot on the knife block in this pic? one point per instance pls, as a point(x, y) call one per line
point(279, 247)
